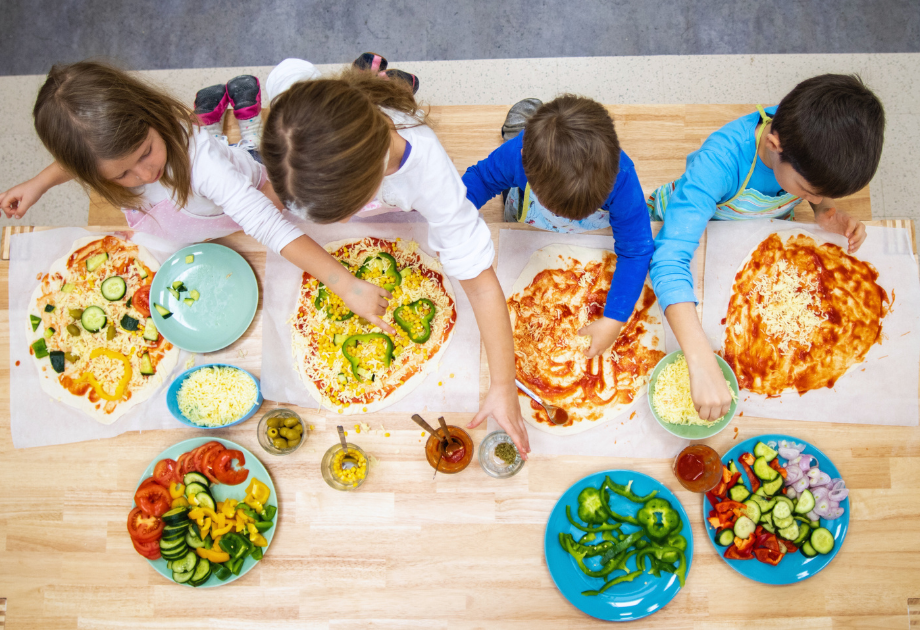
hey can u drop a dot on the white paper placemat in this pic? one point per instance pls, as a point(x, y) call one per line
point(881, 390)
point(458, 370)
point(635, 433)
point(35, 418)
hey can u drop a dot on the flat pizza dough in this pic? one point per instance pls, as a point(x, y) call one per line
point(300, 346)
point(48, 378)
point(822, 313)
point(561, 289)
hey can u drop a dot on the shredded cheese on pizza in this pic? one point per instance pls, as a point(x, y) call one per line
point(216, 396)
point(788, 304)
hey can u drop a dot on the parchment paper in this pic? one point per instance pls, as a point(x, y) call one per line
point(887, 391)
point(635, 433)
point(35, 418)
point(280, 380)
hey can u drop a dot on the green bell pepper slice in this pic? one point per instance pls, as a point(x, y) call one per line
point(606, 527)
point(629, 577)
point(592, 506)
point(626, 491)
point(622, 518)
point(263, 526)
point(415, 319)
point(580, 552)
point(268, 512)
point(382, 266)
point(658, 518)
point(323, 299)
point(256, 553)
point(350, 345)
point(221, 571)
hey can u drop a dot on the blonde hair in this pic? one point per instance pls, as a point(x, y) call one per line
point(325, 140)
point(89, 111)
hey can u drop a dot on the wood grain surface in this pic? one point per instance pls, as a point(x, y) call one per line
point(405, 551)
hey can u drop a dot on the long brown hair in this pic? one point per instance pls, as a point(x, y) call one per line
point(89, 111)
point(325, 140)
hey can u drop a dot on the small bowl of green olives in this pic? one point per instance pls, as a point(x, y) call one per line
point(281, 431)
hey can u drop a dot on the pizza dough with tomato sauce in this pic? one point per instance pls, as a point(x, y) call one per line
point(68, 286)
point(802, 313)
point(562, 289)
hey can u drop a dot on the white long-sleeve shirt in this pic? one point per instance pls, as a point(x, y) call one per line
point(427, 182)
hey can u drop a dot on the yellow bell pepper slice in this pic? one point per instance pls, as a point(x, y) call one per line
point(179, 502)
point(176, 490)
point(214, 545)
point(252, 502)
point(220, 531)
point(122, 384)
point(205, 527)
point(193, 500)
point(212, 555)
point(196, 513)
point(239, 523)
point(258, 491)
point(256, 537)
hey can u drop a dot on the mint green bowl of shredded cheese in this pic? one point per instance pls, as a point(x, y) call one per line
point(672, 406)
point(214, 396)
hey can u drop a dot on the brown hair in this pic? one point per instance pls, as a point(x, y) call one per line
point(571, 155)
point(324, 141)
point(831, 129)
point(90, 111)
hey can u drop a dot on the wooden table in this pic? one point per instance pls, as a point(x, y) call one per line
point(406, 551)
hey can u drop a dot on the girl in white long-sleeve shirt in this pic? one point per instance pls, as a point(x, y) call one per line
point(358, 145)
point(145, 152)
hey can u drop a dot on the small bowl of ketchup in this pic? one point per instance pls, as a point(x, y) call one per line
point(453, 458)
point(698, 468)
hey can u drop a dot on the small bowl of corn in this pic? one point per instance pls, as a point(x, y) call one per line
point(344, 470)
point(281, 431)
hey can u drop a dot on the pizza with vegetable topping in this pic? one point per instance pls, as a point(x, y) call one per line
point(92, 338)
point(349, 364)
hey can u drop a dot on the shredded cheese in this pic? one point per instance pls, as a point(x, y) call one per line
point(671, 398)
point(216, 396)
point(787, 303)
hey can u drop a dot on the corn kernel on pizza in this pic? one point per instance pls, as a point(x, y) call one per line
point(91, 335)
point(350, 365)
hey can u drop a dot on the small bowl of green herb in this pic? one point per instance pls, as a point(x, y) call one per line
point(498, 456)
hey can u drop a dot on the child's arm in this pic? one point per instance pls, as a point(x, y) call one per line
point(18, 199)
point(501, 402)
point(838, 221)
point(633, 244)
point(503, 169)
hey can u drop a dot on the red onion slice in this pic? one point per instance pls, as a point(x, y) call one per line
point(801, 485)
point(805, 461)
point(793, 474)
point(838, 495)
point(813, 517)
point(834, 513)
point(788, 453)
point(819, 492)
point(791, 493)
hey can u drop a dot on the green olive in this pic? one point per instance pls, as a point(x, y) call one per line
point(299, 428)
point(75, 312)
point(275, 423)
point(289, 422)
point(290, 434)
point(110, 332)
point(293, 443)
point(272, 433)
point(280, 443)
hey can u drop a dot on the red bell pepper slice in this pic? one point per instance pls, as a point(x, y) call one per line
point(746, 460)
point(744, 544)
point(735, 478)
point(715, 521)
point(728, 506)
point(768, 556)
point(790, 548)
point(726, 474)
point(732, 553)
point(713, 499)
point(775, 466)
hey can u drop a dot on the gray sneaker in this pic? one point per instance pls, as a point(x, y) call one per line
point(517, 117)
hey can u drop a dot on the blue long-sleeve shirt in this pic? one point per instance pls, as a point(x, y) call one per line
point(632, 230)
point(714, 174)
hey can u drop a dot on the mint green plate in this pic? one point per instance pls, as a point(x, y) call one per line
point(686, 431)
point(228, 302)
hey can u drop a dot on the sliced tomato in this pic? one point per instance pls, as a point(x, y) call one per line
point(144, 528)
point(141, 300)
point(166, 471)
point(201, 451)
point(186, 463)
point(153, 499)
point(768, 556)
point(150, 550)
point(224, 470)
point(206, 459)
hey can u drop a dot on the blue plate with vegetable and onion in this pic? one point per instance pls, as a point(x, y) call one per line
point(781, 511)
point(618, 545)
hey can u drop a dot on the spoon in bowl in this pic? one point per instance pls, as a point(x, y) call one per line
point(556, 415)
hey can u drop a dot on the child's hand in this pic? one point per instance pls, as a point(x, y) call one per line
point(502, 404)
point(603, 332)
point(708, 388)
point(838, 221)
point(368, 301)
point(18, 199)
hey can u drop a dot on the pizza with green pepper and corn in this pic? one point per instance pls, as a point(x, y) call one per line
point(91, 335)
point(352, 366)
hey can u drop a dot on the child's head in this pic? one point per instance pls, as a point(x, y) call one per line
point(571, 156)
point(829, 131)
point(326, 141)
point(114, 133)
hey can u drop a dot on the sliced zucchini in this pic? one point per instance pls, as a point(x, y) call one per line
point(49, 333)
point(738, 493)
point(147, 365)
point(772, 487)
point(93, 262)
point(141, 272)
point(822, 540)
point(805, 503)
point(744, 527)
point(93, 318)
point(762, 470)
point(164, 312)
point(67, 288)
point(57, 360)
point(35, 320)
point(150, 330)
point(113, 288)
point(129, 323)
point(40, 349)
point(726, 538)
point(762, 450)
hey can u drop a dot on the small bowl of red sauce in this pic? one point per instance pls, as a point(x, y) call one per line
point(698, 468)
point(453, 458)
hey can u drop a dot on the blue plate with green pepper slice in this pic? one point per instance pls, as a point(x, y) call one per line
point(599, 532)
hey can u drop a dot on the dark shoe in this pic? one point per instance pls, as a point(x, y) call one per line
point(245, 96)
point(411, 79)
point(211, 103)
point(518, 116)
point(371, 61)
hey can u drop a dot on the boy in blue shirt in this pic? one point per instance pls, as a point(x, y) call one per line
point(569, 156)
point(822, 142)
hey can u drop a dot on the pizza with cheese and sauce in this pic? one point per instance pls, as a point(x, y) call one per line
point(801, 314)
point(562, 289)
point(92, 338)
point(350, 365)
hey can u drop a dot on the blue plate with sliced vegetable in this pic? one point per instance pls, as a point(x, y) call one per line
point(780, 513)
point(204, 297)
point(204, 512)
point(618, 545)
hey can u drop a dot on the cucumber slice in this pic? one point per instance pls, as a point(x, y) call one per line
point(791, 532)
point(188, 301)
point(781, 510)
point(782, 523)
point(67, 288)
point(766, 518)
point(339, 339)
point(202, 569)
point(179, 286)
point(181, 578)
point(113, 288)
point(163, 311)
point(192, 539)
point(147, 368)
point(93, 318)
point(57, 360)
point(762, 450)
point(808, 551)
point(772, 487)
point(194, 294)
point(752, 510)
point(784, 499)
point(744, 527)
point(805, 503)
point(762, 470)
point(35, 320)
point(738, 493)
point(93, 262)
point(196, 477)
point(187, 563)
point(189, 259)
point(804, 533)
point(167, 545)
point(768, 527)
point(141, 272)
point(822, 540)
point(726, 538)
point(176, 516)
point(174, 293)
point(150, 330)
point(49, 333)
point(194, 488)
point(733, 468)
point(49, 308)
point(205, 500)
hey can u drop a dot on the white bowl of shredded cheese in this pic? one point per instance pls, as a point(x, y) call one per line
point(214, 396)
point(672, 406)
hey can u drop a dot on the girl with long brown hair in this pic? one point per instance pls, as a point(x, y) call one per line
point(147, 153)
point(358, 144)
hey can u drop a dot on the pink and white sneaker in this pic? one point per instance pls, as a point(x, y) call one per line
point(210, 105)
point(245, 94)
